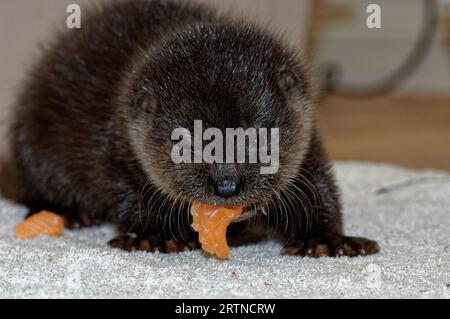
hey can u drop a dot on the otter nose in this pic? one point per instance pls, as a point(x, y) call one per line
point(227, 188)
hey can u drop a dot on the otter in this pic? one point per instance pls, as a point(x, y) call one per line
point(91, 138)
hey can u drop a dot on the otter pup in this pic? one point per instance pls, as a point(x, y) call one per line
point(93, 122)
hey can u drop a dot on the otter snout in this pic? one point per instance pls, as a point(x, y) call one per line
point(226, 180)
point(227, 188)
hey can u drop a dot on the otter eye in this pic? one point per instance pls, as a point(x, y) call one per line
point(148, 103)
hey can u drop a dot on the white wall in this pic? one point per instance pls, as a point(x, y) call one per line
point(368, 55)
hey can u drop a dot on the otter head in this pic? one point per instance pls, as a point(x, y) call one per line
point(220, 77)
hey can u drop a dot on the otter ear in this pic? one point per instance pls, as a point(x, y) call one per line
point(287, 81)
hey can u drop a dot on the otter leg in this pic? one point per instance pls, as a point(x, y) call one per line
point(332, 246)
point(132, 242)
point(314, 202)
point(154, 227)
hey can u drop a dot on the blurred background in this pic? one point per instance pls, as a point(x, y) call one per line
point(384, 93)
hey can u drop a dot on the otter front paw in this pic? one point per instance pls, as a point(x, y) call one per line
point(332, 247)
point(132, 242)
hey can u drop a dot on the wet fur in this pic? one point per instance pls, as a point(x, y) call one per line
point(91, 138)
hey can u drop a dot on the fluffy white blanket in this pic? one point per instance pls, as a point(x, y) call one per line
point(411, 222)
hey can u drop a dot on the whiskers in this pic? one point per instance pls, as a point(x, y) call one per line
point(292, 210)
point(164, 213)
point(296, 207)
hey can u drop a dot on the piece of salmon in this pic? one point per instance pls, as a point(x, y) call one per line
point(43, 223)
point(211, 223)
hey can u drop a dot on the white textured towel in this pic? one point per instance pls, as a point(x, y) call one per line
point(411, 223)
